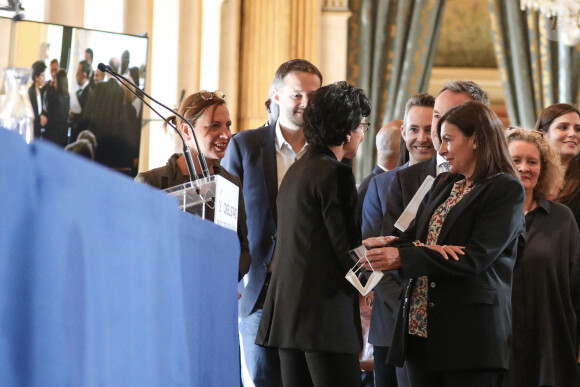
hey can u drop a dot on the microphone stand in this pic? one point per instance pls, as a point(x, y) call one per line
point(186, 150)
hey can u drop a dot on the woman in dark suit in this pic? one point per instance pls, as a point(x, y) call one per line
point(57, 110)
point(546, 290)
point(455, 319)
point(311, 312)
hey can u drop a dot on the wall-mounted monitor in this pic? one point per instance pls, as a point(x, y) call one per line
point(103, 107)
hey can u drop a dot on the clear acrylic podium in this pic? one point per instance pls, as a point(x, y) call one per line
point(211, 195)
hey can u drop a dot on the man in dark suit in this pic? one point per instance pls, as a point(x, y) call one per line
point(387, 141)
point(260, 158)
point(104, 112)
point(89, 59)
point(82, 95)
point(406, 182)
point(416, 131)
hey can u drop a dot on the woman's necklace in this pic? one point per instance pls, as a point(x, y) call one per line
point(530, 207)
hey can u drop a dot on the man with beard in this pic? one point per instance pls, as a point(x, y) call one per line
point(260, 158)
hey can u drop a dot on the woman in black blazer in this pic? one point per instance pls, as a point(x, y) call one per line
point(454, 324)
point(57, 110)
point(311, 312)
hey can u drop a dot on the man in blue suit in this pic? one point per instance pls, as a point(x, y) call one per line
point(416, 131)
point(260, 158)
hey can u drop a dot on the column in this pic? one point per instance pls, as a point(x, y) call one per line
point(273, 31)
point(190, 38)
point(164, 47)
point(334, 40)
point(138, 19)
point(67, 12)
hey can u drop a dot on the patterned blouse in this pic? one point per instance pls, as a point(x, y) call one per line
point(418, 310)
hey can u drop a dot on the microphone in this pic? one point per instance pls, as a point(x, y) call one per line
point(186, 151)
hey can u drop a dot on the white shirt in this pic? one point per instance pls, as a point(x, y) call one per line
point(440, 162)
point(285, 155)
point(75, 106)
point(383, 168)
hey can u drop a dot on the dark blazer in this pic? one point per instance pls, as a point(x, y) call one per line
point(79, 120)
point(34, 103)
point(104, 111)
point(469, 301)
point(388, 291)
point(362, 190)
point(375, 202)
point(251, 156)
point(57, 109)
point(404, 185)
point(310, 306)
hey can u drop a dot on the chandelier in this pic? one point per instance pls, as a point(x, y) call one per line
point(567, 13)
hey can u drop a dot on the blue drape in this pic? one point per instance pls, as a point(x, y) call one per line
point(105, 282)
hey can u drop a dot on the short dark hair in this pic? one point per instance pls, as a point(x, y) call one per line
point(54, 61)
point(472, 89)
point(85, 67)
point(38, 68)
point(90, 52)
point(295, 66)
point(333, 112)
point(476, 119)
point(549, 114)
point(422, 100)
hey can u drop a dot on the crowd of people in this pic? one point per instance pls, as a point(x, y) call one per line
point(481, 283)
point(97, 104)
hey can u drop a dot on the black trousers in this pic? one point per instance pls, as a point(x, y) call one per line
point(385, 374)
point(319, 369)
point(420, 375)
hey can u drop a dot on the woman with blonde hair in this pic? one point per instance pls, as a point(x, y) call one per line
point(209, 115)
point(546, 284)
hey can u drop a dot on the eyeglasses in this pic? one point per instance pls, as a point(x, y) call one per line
point(365, 126)
point(207, 95)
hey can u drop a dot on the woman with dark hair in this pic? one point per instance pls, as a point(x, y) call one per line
point(570, 193)
point(561, 123)
point(311, 312)
point(57, 110)
point(546, 285)
point(454, 324)
point(36, 94)
point(210, 117)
